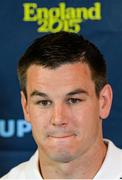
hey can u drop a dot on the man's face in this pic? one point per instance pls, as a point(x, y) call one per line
point(64, 110)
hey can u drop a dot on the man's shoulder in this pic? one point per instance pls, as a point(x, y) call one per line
point(18, 170)
point(114, 156)
point(112, 164)
point(24, 170)
point(113, 149)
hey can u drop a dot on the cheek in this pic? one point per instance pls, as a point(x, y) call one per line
point(86, 117)
point(38, 117)
point(88, 125)
point(39, 121)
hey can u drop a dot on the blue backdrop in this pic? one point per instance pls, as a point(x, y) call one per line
point(24, 20)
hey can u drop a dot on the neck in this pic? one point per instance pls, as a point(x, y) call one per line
point(85, 166)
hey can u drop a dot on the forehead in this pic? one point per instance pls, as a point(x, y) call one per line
point(65, 76)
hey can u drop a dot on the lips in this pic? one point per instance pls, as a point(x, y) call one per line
point(62, 136)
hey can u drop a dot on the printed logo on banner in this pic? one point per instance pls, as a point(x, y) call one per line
point(13, 127)
point(60, 18)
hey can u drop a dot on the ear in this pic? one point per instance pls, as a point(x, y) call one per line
point(25, 106)
point(105, 101)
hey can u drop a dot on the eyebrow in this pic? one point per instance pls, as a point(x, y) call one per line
point(38, 93)
point(76, 91)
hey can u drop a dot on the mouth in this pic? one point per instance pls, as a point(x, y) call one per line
point(62, 136)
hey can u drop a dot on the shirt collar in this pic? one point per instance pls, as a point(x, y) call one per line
point(33, 168)
point(112, 165)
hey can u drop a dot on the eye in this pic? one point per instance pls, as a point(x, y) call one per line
point(74, 100)
point(44, 103)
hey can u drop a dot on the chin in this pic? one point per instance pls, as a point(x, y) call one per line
point(62, 157)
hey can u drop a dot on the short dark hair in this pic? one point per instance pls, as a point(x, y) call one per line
point(56, 49)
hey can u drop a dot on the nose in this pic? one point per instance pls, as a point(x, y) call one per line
point(60, 115)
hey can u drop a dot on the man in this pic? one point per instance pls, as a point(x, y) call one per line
point(65, 96)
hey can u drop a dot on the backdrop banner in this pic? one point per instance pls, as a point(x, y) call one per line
point(22, 22)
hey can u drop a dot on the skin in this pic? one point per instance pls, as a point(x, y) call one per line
point(66, 118)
